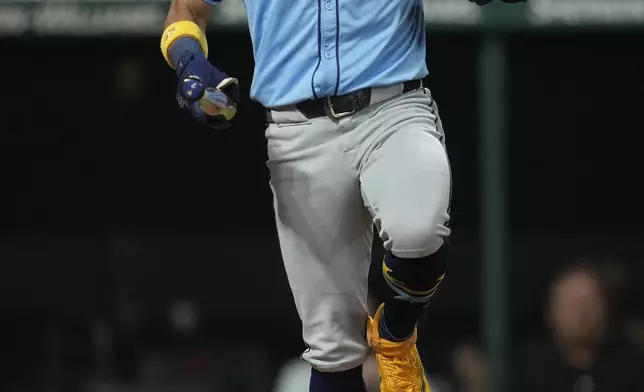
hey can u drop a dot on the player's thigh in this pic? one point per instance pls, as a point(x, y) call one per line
point(325, 238)
point(406, 180)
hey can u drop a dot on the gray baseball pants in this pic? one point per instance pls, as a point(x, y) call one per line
point(332, 181)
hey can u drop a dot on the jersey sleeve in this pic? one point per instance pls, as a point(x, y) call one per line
point(212, 2)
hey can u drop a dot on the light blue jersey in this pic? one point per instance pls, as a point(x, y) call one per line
point(315, 48)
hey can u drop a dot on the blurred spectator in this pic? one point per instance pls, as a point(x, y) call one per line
point(584, 353)
point(633, 300)
point(293, 376)
point(635, 331)
point(469, 367)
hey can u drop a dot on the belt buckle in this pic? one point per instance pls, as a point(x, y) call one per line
point(328, 108)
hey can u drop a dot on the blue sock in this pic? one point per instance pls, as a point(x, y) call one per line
point(400, 321)
point(411, 284)
point(348, 381)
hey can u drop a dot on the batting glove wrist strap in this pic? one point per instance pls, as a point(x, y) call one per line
point(182, 29)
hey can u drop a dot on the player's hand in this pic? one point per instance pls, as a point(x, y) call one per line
point(207, 94)
point(484, 2)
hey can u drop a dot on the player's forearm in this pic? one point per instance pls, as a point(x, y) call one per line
point(184, 30)
point(195, 11)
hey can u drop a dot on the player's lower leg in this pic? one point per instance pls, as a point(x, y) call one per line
point(411, 284)
point(392, 332)
point(347, 381)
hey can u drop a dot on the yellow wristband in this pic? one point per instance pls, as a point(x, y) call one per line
point(178, 30)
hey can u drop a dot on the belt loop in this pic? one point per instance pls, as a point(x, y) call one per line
point(384, 93)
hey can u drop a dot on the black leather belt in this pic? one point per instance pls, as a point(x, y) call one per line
point(339, 106)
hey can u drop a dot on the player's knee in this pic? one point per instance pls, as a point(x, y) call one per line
point(418, 235)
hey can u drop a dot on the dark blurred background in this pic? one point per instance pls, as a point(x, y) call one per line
point(126, 230)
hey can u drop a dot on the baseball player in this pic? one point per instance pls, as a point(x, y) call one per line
point(354, 140)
